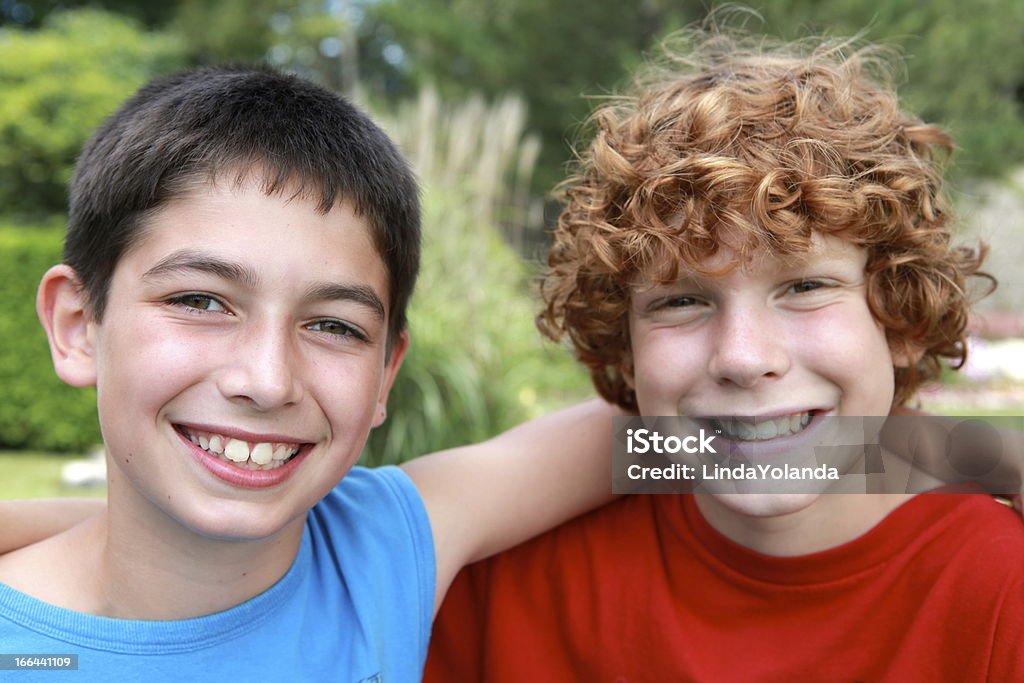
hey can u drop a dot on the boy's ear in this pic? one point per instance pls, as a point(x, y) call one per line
point(394, 364)
point(62, 309)
point(626, 369)
point(906, 354)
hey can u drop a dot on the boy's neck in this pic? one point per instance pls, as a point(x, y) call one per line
point(197, 575)
point(831, 520)
point(851, 508)
point(138, 569)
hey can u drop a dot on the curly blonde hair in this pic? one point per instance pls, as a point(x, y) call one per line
point(772, 143)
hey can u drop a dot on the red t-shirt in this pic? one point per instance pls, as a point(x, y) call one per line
point(644, 590)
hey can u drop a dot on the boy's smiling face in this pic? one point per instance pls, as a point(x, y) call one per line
point(247, 324)
point(787, 339)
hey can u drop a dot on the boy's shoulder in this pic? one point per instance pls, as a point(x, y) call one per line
point(374, 509)
point(59, 570)
point(373, 528)
point(364, 490)
point(967, 540)
point(968, 570)
point(980, 540)
point(974, 519)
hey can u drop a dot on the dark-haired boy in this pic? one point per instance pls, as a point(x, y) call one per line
point(759, 236)
point(241, 248)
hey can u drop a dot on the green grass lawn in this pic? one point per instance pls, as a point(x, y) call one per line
point(26, 474)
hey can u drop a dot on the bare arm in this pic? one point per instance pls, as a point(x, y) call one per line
point(920, 437)
point(23, 522)
point(490, 496)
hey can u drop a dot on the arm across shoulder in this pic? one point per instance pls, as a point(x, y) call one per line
point(487, 497)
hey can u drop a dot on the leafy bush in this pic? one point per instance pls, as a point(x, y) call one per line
point(38, 411)
point(477, 365)
point(58, 83)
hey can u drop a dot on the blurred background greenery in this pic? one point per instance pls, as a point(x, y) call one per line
point(485, 97)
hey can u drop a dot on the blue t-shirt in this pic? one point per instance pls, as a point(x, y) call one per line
point(356, 606)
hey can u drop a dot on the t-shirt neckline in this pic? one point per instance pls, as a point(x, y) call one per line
point(131, 636)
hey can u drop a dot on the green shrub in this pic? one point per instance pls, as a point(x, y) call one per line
point(58, 83)
point(477, 364)
point(38, 411)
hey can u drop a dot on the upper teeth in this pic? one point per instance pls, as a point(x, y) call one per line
point(258, 454)
point(762, 430)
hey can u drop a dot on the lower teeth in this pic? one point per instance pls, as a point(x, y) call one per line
point(249, 464)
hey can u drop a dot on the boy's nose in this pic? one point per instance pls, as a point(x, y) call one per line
point(261, 370)
point(749, 349)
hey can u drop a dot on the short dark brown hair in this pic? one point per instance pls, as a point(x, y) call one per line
point(232, 119)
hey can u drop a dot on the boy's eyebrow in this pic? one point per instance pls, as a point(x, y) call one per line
point(185, 260)
point(359, 294)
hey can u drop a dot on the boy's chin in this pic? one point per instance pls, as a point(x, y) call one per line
point(239, 525)
point(761, 505)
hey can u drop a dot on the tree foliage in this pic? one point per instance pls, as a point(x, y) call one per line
point(58, 83)
point(965, 62)
point(252, 30)
point(553, 53)
point(476, 365)
point(32, 13)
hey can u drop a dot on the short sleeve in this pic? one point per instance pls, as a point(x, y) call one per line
point(373, 530)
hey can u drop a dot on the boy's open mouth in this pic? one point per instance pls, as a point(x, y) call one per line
point(244, 454)
point(761, 429)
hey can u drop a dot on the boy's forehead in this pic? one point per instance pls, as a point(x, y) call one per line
point(234, 178)
point(730, 257)
point(215, 192)
point(235, 219)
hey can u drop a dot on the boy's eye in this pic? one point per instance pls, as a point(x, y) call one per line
point(677, 308)
point(199, 302)
point(337, 328)
point(804, 286)
point(678, 302)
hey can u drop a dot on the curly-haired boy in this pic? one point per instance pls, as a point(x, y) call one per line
point(758, 234)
